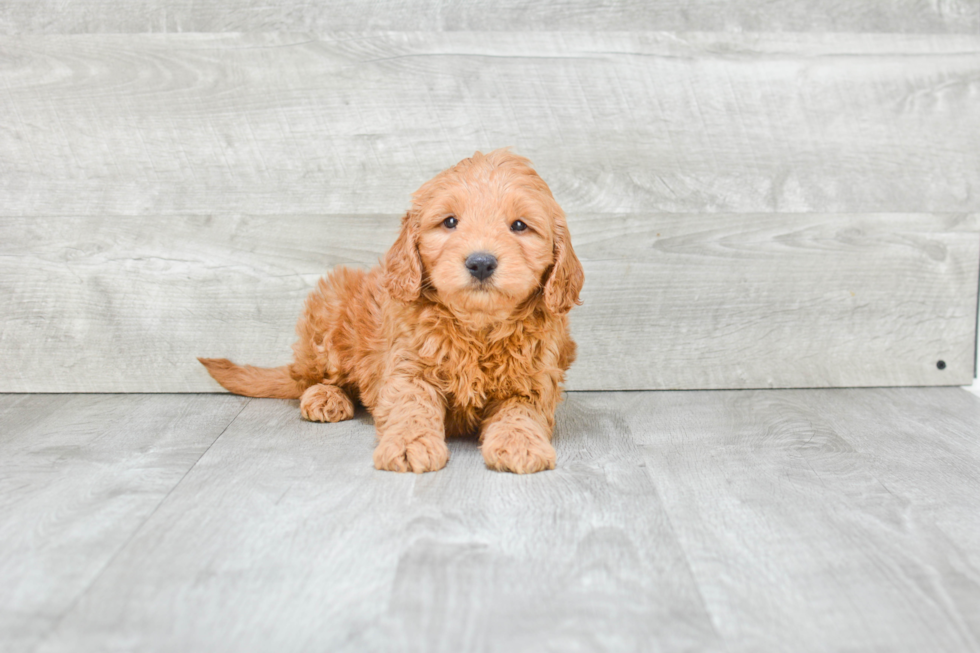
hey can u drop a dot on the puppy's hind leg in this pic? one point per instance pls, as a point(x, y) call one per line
point(326, 403)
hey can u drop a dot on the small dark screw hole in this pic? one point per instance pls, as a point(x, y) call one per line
point(941, 364)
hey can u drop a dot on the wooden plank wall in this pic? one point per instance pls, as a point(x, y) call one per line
point(141, 16)
point(764, 194)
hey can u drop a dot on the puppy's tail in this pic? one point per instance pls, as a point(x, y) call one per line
point(253, 381)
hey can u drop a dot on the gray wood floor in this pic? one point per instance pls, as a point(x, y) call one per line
point(773, 520)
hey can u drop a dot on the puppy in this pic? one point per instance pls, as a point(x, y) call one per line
point(463, 327)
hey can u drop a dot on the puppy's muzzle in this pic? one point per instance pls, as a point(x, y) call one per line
point(481, 265)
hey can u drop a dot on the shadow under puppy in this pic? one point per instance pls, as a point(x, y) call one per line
point(462, 328)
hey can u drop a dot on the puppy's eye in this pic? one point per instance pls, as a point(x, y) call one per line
point(450, 222)
point(517, 225)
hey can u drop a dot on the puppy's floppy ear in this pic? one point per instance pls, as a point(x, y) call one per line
point(561, 290)
point(403, 266)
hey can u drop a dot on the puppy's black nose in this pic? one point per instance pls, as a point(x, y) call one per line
point(481, 264)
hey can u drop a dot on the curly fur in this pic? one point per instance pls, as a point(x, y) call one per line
point(428, 349)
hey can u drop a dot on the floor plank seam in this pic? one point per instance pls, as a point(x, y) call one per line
point(680, 546)
point(95, 579)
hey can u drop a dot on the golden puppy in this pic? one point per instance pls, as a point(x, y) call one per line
point(462, 328)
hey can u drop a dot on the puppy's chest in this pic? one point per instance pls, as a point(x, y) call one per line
point(472, 377)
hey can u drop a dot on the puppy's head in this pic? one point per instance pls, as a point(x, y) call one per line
point(485, 236)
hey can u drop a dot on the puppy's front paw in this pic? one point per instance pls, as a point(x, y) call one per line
point(397, 453)
point(326, 403)
point(509, 448)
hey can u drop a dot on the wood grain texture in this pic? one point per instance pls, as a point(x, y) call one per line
point(850, 514)
point(803, 520)
point(79, 474)
point(940, 480)
point(671, 301)
point(284, 537)
point(616, 122)
point(81, 16)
